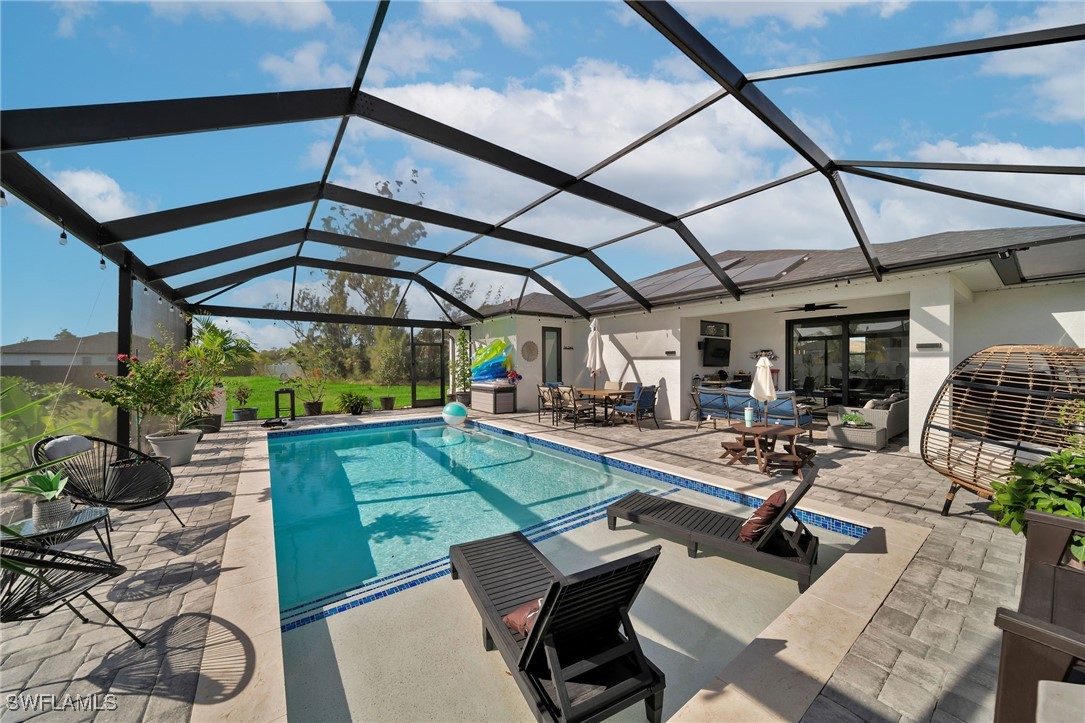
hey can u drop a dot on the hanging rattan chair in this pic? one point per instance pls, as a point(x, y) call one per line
point(1000, 406)
point(41, 579)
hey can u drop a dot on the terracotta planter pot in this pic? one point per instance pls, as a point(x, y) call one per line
point(313, 409)
point(178, 447)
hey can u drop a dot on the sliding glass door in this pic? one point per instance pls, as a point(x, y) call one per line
point(849, 359)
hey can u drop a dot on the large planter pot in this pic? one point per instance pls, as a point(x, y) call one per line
point(178, 447)
point(244, 414)
point(219, 407)
point(463, 398)
point(388, 403)
point(313, 409)
point(48, 513)
point(208, 424)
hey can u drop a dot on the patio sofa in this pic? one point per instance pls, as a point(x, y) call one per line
point(893, 418)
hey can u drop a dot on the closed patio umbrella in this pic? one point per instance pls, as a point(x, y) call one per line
point(595, 351)
point(763, 390)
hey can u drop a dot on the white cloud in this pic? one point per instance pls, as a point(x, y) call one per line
point(293, 15)
point(1052, 75)
point(99, 194)
point(981, 22)
point(306, 67)
point(797, 14)
point(71, 13)
point(263, 334)
point(404, 51)
point(723, 150)
point(506, 23)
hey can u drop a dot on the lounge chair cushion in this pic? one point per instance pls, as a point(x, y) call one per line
point(522, 619)
point(67, 446)
point(759, 521)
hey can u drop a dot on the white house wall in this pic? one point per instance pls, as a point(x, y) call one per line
point(1046, 314)
point(942, 308)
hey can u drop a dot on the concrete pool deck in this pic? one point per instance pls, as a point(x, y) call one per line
point(929, 651)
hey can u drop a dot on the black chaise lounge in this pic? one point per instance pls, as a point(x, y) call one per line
point(697, 526)
point(575, 664)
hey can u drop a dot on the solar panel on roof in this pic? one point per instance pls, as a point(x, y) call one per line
point(768, 270)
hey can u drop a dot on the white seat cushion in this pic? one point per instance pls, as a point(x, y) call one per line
point(67, 446)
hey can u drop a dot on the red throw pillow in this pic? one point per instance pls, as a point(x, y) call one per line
point(753, 528)
point(522, 619)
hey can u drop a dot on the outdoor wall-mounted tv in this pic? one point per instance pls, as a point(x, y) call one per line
point(716, 352)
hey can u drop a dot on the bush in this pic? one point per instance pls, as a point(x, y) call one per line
point(1055, 484)
point(352, 403)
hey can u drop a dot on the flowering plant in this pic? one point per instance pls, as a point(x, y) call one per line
point(155, 387)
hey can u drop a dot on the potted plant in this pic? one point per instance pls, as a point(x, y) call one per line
point(388, 402)
point(243, 413)
point(53, 508)
point(853, 419)
point(312, 377)
point(213, 352)
point(462, 371)
point(353, 403)
point(1055, 485)
point(156, 387)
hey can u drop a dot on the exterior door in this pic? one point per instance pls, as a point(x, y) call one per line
point(428, 355)
point(551, 354)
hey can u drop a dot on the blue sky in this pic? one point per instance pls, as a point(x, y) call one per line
point(565, 82)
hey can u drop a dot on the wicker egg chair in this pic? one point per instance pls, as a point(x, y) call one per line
point(1000, 406)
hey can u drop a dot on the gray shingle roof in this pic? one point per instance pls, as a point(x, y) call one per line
point(946, 248)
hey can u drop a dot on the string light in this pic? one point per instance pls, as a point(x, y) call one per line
point(63, 233)
point(101, 259)
point(3, 199)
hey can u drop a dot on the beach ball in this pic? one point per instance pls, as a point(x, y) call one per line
point(454, 413)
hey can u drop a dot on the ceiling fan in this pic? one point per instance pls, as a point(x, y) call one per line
point(811, 307)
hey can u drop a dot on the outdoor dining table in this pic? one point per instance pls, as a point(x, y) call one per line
point(607, 396)
point(764, 439)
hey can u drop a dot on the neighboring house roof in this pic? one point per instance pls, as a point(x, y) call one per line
point(757, 270)
point(101, 343)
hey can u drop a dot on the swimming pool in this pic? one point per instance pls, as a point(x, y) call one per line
point(362, 506)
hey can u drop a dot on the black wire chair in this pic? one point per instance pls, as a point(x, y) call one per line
point(47, 578)
point(112, 475)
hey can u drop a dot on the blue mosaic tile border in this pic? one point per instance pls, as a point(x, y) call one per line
point(567, 522)
point(850, 529)
point(411, 421)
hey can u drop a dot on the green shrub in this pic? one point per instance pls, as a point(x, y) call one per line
point(1055, 484)
point(353, 403)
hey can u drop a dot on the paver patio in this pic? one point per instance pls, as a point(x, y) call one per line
point(930, 653)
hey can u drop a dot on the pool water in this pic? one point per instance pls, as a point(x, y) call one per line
point(362, 504)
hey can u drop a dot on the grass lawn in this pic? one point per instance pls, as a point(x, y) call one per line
point(263, 394)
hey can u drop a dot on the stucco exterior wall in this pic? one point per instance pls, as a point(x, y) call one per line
point(1047, 314)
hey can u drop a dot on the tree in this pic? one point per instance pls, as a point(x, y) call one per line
point(64, 334)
